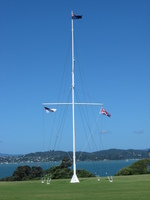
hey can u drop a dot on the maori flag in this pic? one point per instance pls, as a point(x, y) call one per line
point(48, 110)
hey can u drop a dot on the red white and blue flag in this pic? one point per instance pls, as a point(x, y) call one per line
point(104, 112)
point(76, 16)
point(48, 110)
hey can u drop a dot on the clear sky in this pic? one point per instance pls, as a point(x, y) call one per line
point(112, 49)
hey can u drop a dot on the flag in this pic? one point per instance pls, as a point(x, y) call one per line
point(104, 112)
point(50, 109)
point(76, 16)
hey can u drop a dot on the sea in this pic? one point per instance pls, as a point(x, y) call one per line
point(98, 168)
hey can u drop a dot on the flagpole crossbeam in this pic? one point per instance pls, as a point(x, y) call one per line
point(56, 103)
point(65, 103)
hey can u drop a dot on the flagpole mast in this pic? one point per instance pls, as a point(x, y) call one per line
point(74, 177)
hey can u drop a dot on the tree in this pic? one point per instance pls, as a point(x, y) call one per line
point(66, 162)
point(139, 167)
point(64, 171)
point(26, 173)
point(21, 172)
point(36, 172)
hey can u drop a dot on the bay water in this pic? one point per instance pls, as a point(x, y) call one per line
point(98, 168)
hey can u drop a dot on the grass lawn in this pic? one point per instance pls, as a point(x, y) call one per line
point(124, 188)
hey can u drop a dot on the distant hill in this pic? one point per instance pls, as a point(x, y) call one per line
point(6, 155)
point(111, 154)
point(47, 156)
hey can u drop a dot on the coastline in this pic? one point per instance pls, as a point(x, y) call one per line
point(101, 168)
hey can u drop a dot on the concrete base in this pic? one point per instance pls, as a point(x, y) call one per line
point(74, 179)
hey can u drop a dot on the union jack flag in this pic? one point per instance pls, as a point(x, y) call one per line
point(104, 112)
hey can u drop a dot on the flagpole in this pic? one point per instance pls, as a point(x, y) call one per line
point(74, 177)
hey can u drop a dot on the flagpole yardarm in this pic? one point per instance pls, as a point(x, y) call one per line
point(63, 103)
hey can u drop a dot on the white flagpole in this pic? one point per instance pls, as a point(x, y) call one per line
point(74, 177)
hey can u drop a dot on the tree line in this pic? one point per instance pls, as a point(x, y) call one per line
point(63, 171)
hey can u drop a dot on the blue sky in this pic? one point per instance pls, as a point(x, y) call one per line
point(112, 52)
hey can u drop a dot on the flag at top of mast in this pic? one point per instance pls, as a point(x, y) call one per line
point(76, 16)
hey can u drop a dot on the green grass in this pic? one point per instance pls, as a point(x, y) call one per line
point(124, 188)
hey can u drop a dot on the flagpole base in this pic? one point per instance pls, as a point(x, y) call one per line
point(74, 179)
